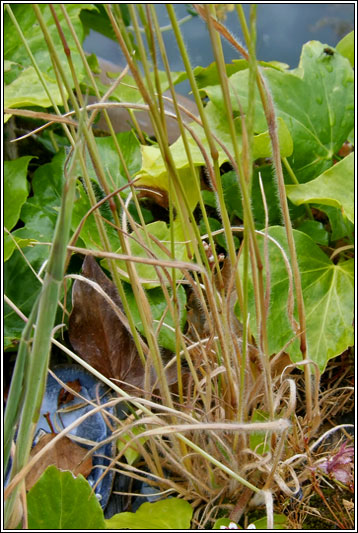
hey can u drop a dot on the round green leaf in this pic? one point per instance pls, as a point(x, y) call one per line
point(60, 501)
point(172, 513)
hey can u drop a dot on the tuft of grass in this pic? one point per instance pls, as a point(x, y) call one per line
point(238, 426)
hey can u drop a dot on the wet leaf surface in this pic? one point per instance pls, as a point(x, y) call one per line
point(315, 101)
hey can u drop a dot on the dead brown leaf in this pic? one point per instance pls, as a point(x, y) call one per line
point(64, 454)
point(65, 396)
point(98, 335)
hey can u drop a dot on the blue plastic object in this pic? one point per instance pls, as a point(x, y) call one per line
point(93, 428)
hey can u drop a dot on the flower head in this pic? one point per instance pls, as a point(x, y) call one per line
point(340, 465)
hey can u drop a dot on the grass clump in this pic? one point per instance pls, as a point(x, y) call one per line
point(204, 325)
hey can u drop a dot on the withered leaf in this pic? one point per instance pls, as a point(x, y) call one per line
point(98, 335)
point(64, 454)
point(158, 196)
point(65, 396)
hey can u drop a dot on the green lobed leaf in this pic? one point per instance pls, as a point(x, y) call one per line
point(172, 513)
point(261, 147)
point(116, 178)
point(40, 212)
point(154, 173)
point(334, 187)
point(341, 226)
point(205, 76)
point(316, 101)
point(113, 168)
point(315, 230)
point(218, 124)
point(328, 291)
point(60, 501)
point(26, 89)
point(157, 231)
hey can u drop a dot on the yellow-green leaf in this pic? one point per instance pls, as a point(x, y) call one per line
point(142, 247)
point(171, 513)
point(132, 453)
point(334, 187)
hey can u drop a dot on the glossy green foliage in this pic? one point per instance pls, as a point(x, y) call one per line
point(26, 89)
point(60, 501)
point(328, 291)
point(315, 101)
